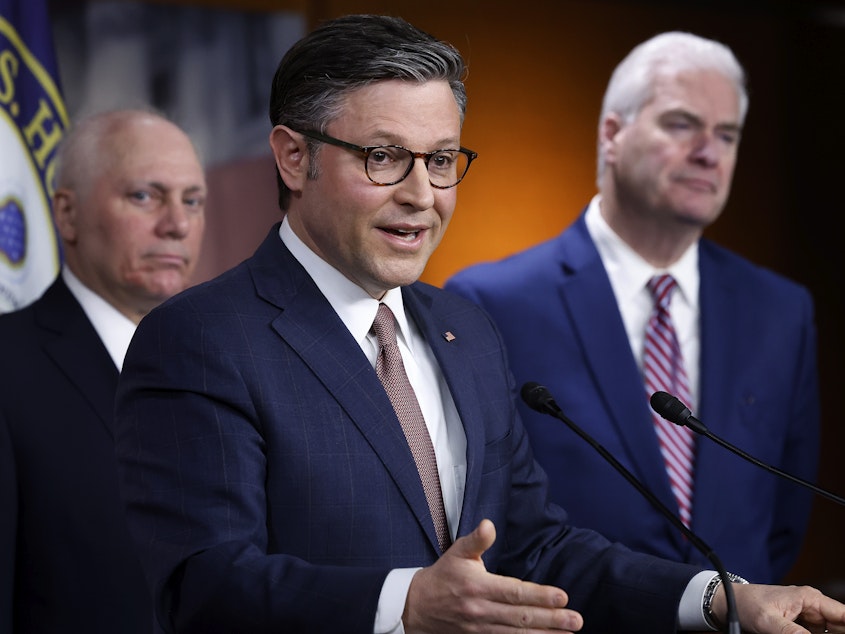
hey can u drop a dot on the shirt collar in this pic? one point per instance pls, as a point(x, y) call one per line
point(628, 271)
point(355, 307)
point(113, 327)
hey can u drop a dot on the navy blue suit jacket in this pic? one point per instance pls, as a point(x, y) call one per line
point(67, 562)
point(270, 487)
point(759, 389)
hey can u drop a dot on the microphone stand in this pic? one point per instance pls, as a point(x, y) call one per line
point(538, 398)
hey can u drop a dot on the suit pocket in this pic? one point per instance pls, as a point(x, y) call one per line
point(498, 452)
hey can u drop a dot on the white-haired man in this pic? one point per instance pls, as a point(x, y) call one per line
point(578, 314)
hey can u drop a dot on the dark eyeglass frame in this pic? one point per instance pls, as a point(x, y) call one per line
point(366, 150)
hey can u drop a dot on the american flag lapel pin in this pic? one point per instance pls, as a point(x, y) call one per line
point(448, 336)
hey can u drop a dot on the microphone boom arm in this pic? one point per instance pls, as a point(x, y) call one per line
point(673, 410)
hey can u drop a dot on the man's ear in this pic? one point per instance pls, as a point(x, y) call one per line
point(291, 153)
point(65, 214)
point(611, 125)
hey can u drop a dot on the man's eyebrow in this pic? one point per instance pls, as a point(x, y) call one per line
point(729, 126)
point(684, 114)
point(394, 139)
point(162, 187)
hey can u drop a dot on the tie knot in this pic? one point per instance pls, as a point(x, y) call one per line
point(383, 326)
point(661, 288)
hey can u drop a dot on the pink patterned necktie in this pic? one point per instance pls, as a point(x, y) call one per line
point(663, 369)
point(391, 373)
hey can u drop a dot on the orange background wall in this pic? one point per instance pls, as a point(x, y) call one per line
point(537, 73)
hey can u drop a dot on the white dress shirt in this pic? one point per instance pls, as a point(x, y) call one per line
point(113, 327)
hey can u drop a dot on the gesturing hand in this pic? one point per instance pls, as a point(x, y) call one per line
point(457, 594)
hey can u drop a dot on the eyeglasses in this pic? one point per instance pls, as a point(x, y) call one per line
point(391, 164)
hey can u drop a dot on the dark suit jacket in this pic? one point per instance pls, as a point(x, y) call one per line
point(270, 487)
point(67, 563)
point(559, 319)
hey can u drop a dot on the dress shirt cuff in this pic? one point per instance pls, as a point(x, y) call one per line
point(691, 609)
point(394, 592)
point(391, 602)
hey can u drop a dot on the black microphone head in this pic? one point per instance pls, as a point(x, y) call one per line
point(670, 408)
point(538, 398)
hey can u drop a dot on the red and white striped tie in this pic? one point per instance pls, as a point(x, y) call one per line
point(663, 370)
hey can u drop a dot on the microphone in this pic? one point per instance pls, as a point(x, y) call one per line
point(538, 398)
point(673, 410)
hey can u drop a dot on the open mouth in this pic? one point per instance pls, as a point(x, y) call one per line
point(408, 235)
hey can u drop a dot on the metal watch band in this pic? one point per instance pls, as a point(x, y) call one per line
point(710, 592)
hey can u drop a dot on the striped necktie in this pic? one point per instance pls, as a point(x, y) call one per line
point(663, 370)
point(391, 373)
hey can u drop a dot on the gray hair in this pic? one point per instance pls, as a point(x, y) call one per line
point(631, 86)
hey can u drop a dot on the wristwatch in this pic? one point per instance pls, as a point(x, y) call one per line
point(710, 592)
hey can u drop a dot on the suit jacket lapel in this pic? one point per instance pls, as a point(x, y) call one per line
point(720, 332)
point(71, 342)
point(434, 323)
point(719, 300)
point(590, 303)
point(314, 331)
